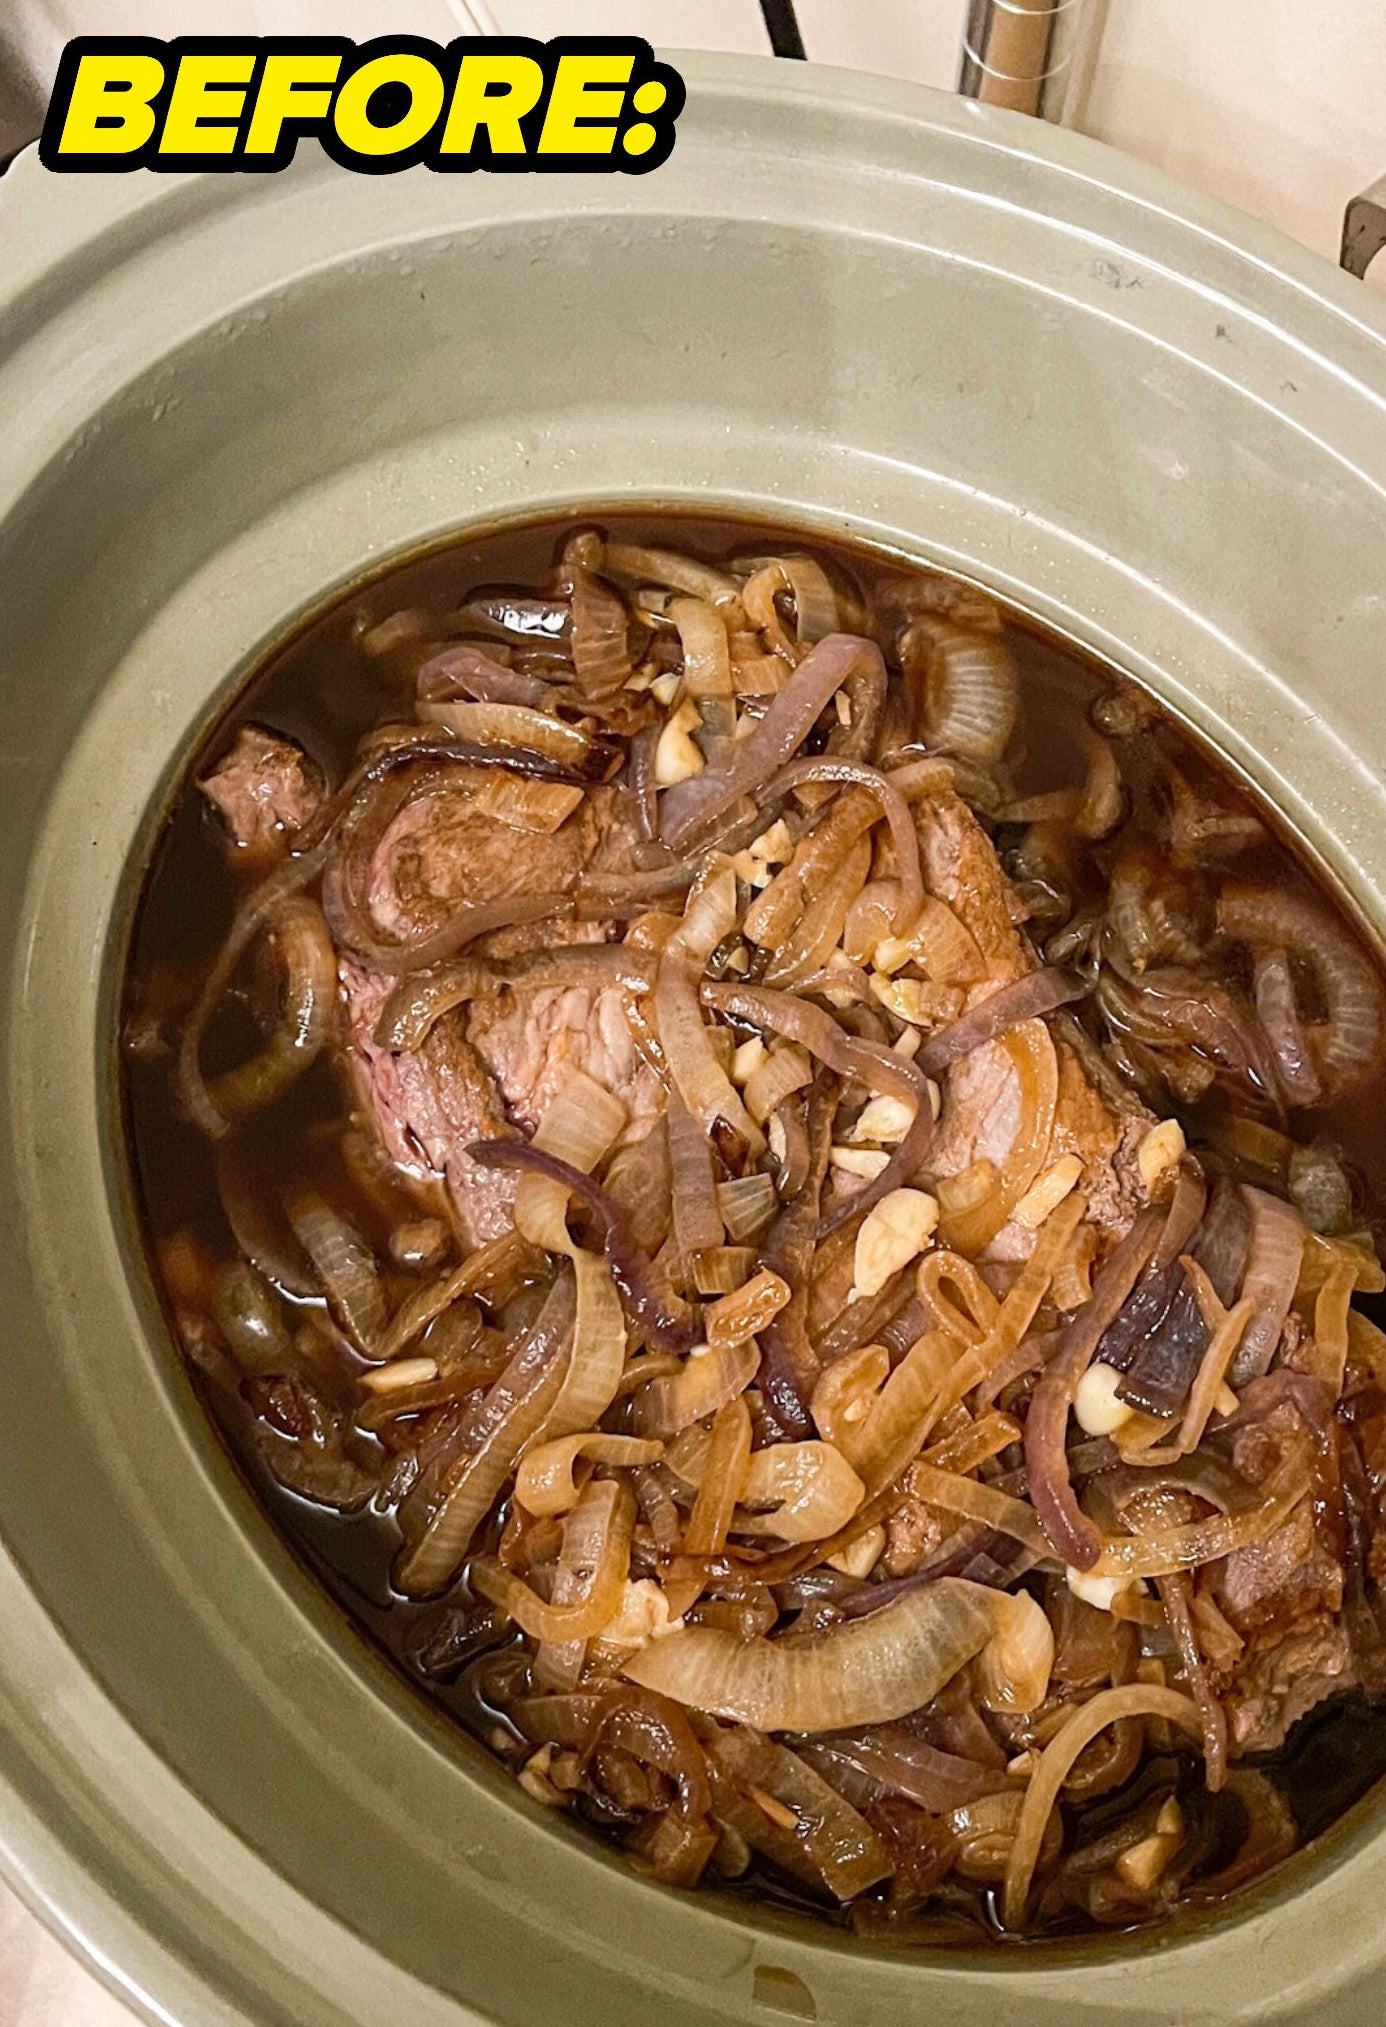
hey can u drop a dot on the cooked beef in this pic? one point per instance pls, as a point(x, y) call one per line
point(1284, 1595)
point(266, 789)
point(495, 1065)
point(981, 1097)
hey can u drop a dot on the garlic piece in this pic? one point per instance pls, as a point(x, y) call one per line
point(866, 1162)
point(862, 1555)
point(775, 845)
point(1095, 1401)
point(883, 1122)
point(1141, 1864)
point(748, 1059)
point(643, 1614)
point(666, 687)
point(1098, 1591)
point(892, 1233)
point(1159, 1152)
point(676, 757)
point(398, 1374)
point(1048, 1191)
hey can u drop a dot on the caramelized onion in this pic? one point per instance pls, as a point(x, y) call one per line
point(909, 897)
point(605, 1518)
point(512, 1411)
point(1351, 1040)
point(1039, 992)
point(1274, 1257)
point(544, 1481)
point(696, 803)
point(1073, 1535)
point(865, 1671)
point(1136, 1699)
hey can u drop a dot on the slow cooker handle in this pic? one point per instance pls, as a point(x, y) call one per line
point(1364, 229)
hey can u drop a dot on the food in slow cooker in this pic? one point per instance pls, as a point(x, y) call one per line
point(774, 1176)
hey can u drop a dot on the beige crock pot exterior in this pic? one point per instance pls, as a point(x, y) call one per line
point(1155, 426)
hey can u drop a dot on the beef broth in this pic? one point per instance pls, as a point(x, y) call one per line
point(1078, 852)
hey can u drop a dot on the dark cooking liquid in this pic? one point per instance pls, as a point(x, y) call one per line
point(323, 690)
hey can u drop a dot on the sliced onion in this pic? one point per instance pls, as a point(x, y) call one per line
point(892, 1757)
point(808, 952)
point(807, 586)
point(1014, 1667)
point(724, 1454)
point(1202, 1541)
point(512, 1411)
point(502, 1262)
point(309, 963)
point(1035, 1063)
point(246, 1311)
point(864, 1671)
point(463, 670)
point(707, 675)
point(703, 1084)
point(544, 1481)
point(1009, 1323)
point(783, 1072)
point(810, 1487)
point(600, 635)
point(909, 897)
point(971, 690)
point(846, 1389)
point(1039, 992)
point(604, 1519)
point(901, 1417)
point(1135, 1699)
point(1274, 1257)
point(696, 1212)
point(346, 1267)
point(1279, 1016)
point(748, 1311)
point(746, 1204)
point(1073, 1535)
point(698, 802)
point(514, 725)
point(1350, 1042)
point(633, 563)
point(785, 1810)
point(880, 1069)
point(951, 1492)
point(700, 1387)
point(664, 1320)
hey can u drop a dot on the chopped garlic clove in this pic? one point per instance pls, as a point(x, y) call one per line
point(1098, 1591)
point(775, 845)
point(883, 1122)
point(892, 1234)
point(866, 1162)
point(862, 1555)
point(1160, 1151)
point(1048, 1191)
point(400, 1373)
point(908, 1044)
point(1095, 1402)
point(676, 756)
point(643, 1614)
point(666, 687)
point(748, 1059)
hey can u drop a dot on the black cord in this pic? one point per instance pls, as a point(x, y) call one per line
point(782, 28)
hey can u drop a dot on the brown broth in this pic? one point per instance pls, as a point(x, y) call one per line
point(323, 690)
